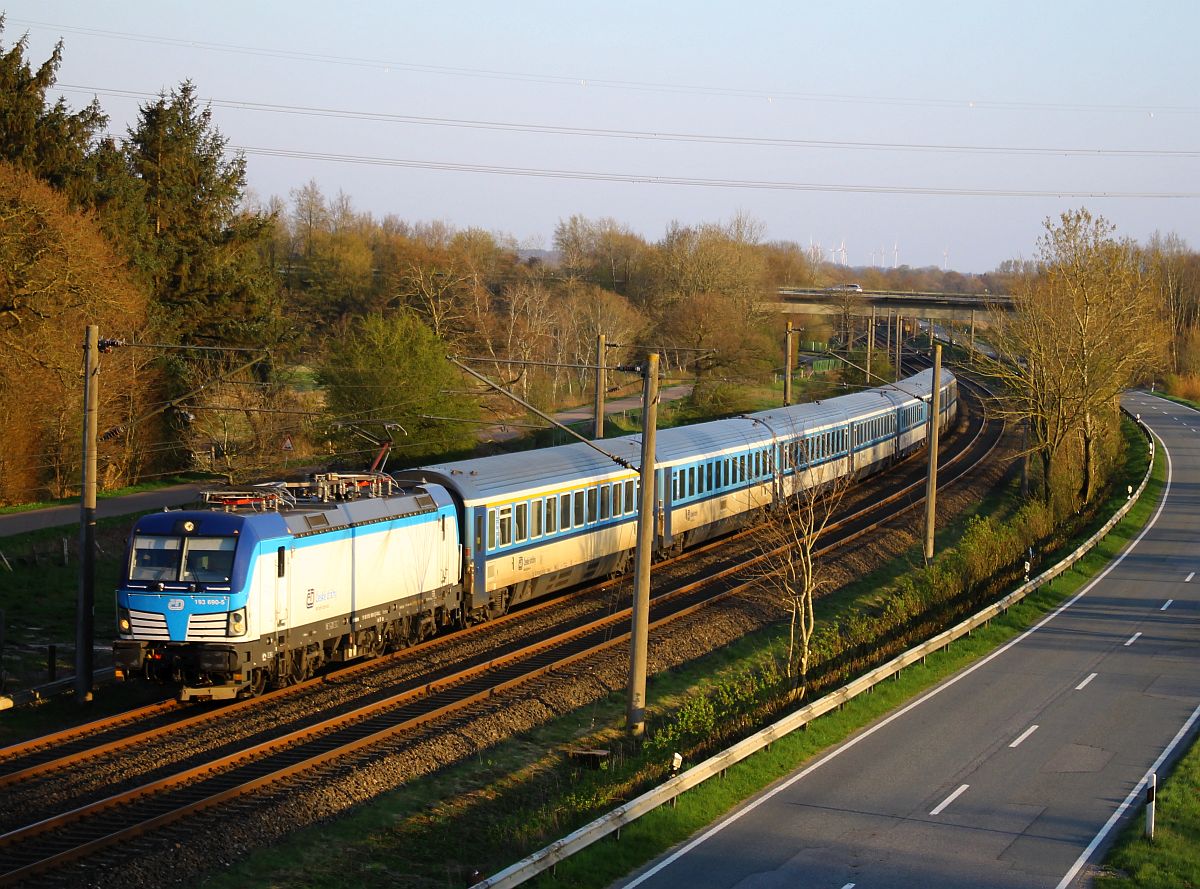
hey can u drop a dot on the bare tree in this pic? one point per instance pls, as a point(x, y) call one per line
point(1082, 329)
point(789, 537)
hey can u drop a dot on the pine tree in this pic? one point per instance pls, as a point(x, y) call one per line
point(52, 142)
point(204, 257)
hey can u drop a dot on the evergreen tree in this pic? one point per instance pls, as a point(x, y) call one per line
point(52, 142)
point(205, 259)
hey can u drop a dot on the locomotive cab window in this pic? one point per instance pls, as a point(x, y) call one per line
point(182, 559)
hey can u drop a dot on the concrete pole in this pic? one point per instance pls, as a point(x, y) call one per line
point(890, 324)
point(929, 322)
point(870, 346)
point(787, 365)
point(601, 382)
point(899, 345)
point(972, 334)
point(931, 480)
point(636, 718)
point(86, 601)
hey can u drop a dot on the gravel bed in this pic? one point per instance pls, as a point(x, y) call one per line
point(175, 857)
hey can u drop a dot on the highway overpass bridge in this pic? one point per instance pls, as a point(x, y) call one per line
point(971, 308)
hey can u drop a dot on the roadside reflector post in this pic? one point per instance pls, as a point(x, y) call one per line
point(1151, 787)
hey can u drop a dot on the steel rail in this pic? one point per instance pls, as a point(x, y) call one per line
point(339, 750)
point(73, 757)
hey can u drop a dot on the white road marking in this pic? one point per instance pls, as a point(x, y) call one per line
point(951, 798)
point(1081, 686)
point(849, 886)
point(788, 783)
point(1188, 579)
point(1168, 605)
point(1025, 734)
point(1133, 795)
point(1132, 639)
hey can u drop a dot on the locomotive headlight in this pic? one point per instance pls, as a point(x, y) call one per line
point(124, 627)
point(237, 623)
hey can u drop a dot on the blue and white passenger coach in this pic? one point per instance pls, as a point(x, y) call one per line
point(539, 521)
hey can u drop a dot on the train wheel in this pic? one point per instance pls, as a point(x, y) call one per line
point(258, 683)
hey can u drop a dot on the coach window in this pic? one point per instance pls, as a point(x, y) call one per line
point(579, 509)
point(691, 481)
point(564, 511)
point(618, 506)
point(605, 501)
point(551, 515)
point(491, 520)
point(591, 505)
point(505, 516)
point(522, 514)
point(535, 518)
point(630, 506)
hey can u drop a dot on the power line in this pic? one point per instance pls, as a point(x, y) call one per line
point(642, 135)
point(697, 182)
point(576, 81)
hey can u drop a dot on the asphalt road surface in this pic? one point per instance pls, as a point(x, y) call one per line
point(1014, 772)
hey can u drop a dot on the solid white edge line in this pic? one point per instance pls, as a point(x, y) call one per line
point(1116, 816)
point(1133, 638)
point(1133, 794)
point(1167, 604)
point(951, 798)
point(932, 693)
point(1025, 734)
point(1188, 579)
point(1081, 686)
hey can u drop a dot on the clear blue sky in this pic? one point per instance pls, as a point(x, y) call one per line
point(1092, 77)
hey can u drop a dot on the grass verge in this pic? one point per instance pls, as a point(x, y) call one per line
point(516, 796)
point(1172, 859)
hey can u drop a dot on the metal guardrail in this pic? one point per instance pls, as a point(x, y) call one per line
point(547, 858)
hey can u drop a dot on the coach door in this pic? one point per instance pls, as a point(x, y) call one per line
point(283, 556)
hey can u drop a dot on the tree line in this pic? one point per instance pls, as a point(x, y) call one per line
point(300, 329)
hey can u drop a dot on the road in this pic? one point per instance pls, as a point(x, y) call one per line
point(1012, 773)
point(178, 495)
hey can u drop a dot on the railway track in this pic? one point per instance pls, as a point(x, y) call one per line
point(76, 832)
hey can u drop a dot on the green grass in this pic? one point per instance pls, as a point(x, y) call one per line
point(1184, 401)
point(521, 794)
point(38, 596)
point(151, 485)
point(1172, 859)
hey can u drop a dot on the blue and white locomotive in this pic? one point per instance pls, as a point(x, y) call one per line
point(270, 584)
